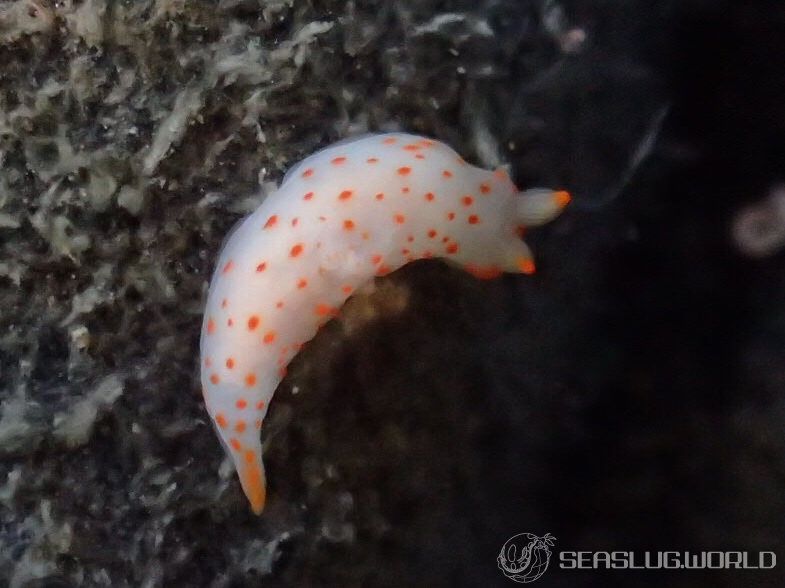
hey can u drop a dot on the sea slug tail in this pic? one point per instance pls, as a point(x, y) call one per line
point(253, 479)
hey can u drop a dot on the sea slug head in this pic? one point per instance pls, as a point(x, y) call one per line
point(538, 206)
point(502, 249)
point(533, 207)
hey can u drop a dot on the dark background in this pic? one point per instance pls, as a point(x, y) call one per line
point(629, 396)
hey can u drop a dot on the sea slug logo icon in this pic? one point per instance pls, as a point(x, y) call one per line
point(525, 557)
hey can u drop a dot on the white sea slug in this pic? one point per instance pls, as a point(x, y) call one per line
point(350, 212)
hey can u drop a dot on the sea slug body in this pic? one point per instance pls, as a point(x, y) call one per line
point(352, 211)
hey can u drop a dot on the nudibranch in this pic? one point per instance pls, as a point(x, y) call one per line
point(352, 211)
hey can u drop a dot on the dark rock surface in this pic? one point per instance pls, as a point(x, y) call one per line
point(627, 397)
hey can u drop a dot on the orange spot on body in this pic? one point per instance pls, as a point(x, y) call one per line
point(302, 283)
point(447, 173)
point(345, 195)
point(308, 196)
point(485, 188)
point(410, 239)
point(450, 216)
point(269, 337)
point(376, 259)
point(419, 156)
point(230, 322)
point(338, 160)
point(241, 403)
point(404, 171)
point(399, 219)
point(253, 322)
point(279, 304)
point(348, 224)
point(427, 254)
point(383, 270)
point(429, 196)
point(220, 420)
point(411, 147)
point(271, 222)
point(260, 405)
point(228, 267)
point(452, 248)
point(261, 267)
point(210, 326)
point(372, 160)
point(230, 362)
point(405, 190)
point(324, 309)
point(483, 272)
point(296, 250)
point(500, 174)
point(347, 289)
point(389, 140)
point(467, 200)
point(380, 196)
point(215, 379)
point(295, 220)
point(427, 143)
point(473, 219)
point(240, 426)
point(235, 444)
point(224, 303)
point(307, 173)
point(432, 233)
